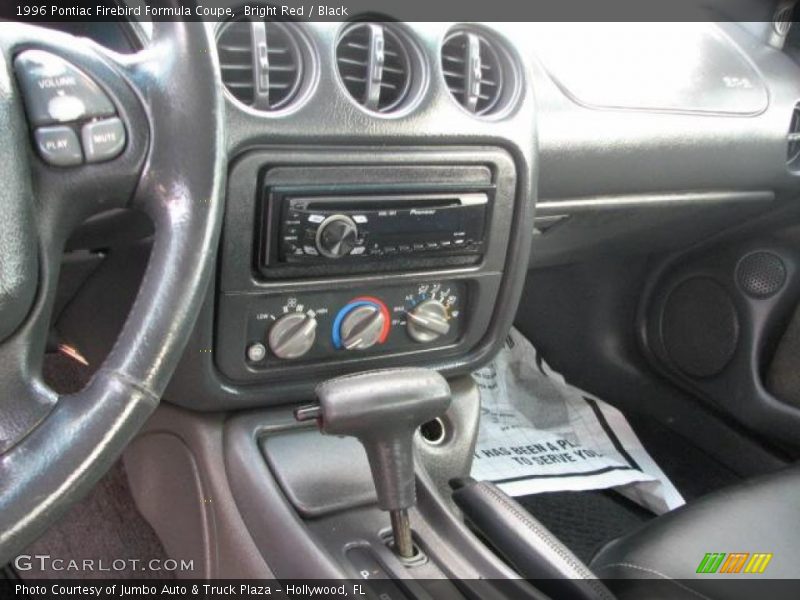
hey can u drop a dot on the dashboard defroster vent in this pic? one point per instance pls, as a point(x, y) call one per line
point(374, 64)
point(261, 63)
point(793, 140)
point(477, 71)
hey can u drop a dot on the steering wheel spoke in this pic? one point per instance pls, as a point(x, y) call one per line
point(88, 130)
point(168, 101)
point(46, 112)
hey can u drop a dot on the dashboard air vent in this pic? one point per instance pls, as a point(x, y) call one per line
point(782, 21)
point(374, 65)
point(262, 64)
point(473, 70)
point(793, 140)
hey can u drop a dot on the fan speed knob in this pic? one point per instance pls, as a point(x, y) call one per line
point(292, 335)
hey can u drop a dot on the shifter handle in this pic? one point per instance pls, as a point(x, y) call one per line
point(383, 410)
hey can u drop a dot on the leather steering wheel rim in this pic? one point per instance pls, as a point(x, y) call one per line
point(50, 463)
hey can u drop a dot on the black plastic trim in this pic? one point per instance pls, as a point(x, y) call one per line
point(496, 282)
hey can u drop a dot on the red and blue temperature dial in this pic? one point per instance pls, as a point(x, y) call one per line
point(361, 323)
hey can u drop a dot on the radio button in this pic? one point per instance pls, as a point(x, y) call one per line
point(310, 250)
point(316, 218)
point(404, 248)
point(337, 236)
point(389, 249)
point(56, 91)
point(357, 251)
point(58, 146)
point(432, 245)
point(360, 219)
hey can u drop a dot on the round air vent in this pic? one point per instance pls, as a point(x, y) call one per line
point(782, 21)
point(261, 62)
point(376, 65)
point(793, 140)
point(478, 71)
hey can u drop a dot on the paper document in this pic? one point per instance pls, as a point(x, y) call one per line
point(540, 434)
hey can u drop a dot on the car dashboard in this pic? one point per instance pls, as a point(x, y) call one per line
point(385, 202)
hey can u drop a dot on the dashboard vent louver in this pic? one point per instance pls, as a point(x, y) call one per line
point(473, 70)
point(793, 140)
point(783, 20)
point(374, 65)
point(261, 62)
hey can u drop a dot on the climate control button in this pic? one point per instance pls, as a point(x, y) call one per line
point(362, 327)
point(361, 324)
point(292, 335)
point(428, 321)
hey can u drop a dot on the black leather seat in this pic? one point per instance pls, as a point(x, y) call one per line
point(759, 516)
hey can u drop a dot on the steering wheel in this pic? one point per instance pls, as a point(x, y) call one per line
point(54, 448)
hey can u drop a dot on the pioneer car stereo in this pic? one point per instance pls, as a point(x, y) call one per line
point(313, 232)
point(356, 228)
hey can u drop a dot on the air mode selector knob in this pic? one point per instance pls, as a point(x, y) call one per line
point(337, 236)
point(292, 335)
point(428, 321)
point(362, 327)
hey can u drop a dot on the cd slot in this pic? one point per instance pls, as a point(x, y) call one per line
point(371, 203)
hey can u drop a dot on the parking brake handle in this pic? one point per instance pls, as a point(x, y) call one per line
point(383, 409)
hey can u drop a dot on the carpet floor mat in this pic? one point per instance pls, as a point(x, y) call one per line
point(586, 521)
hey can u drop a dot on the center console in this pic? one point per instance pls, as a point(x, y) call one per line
point(347, 260)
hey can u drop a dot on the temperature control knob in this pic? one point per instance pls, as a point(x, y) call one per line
point(337, 236)
point(362, 327)
point(292, 335)
point(428, 321)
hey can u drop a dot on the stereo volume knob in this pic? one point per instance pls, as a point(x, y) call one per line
point(292, 335)
point(336, 236)
point(363, 327)
point(428, 321)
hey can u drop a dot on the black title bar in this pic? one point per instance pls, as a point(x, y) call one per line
point(406, 10)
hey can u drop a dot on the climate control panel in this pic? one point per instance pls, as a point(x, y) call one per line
point(326, 324)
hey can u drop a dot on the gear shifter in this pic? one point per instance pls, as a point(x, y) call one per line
point(383, 410)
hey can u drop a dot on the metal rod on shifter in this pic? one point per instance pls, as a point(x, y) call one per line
point(401, 528)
